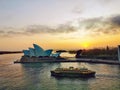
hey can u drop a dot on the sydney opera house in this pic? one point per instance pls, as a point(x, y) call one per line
point(37, 51)
point(38, 54)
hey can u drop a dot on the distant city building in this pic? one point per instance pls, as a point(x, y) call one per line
point(56, 54)
point(119, 53)
point(107, 48)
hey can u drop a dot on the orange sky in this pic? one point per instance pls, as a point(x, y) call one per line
point(55, 42)
point(59, 24)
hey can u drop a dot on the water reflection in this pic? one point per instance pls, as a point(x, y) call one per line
point(37, 76)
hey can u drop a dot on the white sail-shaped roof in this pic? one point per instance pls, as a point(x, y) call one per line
point(26, 52)
point(32, 52)
point(38, 50)
point(48, 52)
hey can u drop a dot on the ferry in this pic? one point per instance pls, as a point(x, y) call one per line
point(73, 72)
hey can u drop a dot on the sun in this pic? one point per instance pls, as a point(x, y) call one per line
point(85, 45)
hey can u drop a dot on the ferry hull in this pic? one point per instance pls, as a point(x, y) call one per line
point(71, 74)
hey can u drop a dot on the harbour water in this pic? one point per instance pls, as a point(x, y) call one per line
point(36, 76)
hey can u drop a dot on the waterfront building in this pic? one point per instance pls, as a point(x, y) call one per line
point(38, 51)
point(56, 54)
point(48, 52)
point(32, 52)
point(119, 53)
point(26, 52)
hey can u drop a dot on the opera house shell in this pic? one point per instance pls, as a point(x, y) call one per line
point(37, 51)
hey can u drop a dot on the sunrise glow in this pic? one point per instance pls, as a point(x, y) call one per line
point(59, 24)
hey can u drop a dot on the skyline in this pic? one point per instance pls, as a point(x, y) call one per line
point(59, 24)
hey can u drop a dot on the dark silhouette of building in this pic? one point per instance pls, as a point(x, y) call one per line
point(78, 54)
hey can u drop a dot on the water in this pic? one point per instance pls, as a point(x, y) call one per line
point(37, 76)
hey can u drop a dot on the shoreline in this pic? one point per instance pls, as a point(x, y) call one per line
point(40, 60)
point(9, 52)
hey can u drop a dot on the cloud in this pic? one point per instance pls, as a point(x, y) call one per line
point(11, 31)
point(115, 20)
point(37, 29)
point(95, 26)
point(101, 25)
point(1, 32)
point(45, 29)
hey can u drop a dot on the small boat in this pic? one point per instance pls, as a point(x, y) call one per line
point(73, 72)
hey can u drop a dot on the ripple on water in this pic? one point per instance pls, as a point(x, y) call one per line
point(37, 76)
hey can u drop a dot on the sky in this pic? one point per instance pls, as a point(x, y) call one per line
point(59, 24)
